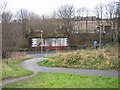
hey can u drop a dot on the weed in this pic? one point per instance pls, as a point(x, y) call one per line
point(82, 59)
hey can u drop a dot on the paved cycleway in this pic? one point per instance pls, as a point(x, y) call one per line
point(32, 65)
point(11, 80)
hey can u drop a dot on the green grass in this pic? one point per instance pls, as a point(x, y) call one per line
point(11, 68)
point(85, 59)
point(60, 80)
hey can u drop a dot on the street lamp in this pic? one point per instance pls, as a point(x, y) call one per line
point(29, 30)
point(41, 41)
point(100, 35)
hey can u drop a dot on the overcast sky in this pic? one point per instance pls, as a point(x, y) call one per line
point(48, 6)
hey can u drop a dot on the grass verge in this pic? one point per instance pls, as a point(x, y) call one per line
point(84, 59)
point(11, 68)
point(60, 80)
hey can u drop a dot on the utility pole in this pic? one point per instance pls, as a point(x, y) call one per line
point(100, 39)
point(41, 42)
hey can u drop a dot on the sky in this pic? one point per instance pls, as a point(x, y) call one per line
point(46, 7)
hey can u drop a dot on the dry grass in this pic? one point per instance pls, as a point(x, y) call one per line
point(17, 55)
point(86, 59)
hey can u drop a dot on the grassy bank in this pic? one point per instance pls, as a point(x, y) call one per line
point(84, 59)
point(11, 68)
point(59, 80)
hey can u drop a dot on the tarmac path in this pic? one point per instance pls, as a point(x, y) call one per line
point(32, 65)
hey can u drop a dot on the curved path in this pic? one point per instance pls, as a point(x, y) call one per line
point(31, 65)
point(11, 80)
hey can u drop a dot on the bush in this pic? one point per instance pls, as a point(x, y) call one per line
point(82, 59)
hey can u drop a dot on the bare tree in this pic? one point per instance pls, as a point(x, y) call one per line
point(66, 13)
point(23, 16)
point(99, 9)
point(111, 11)
point(49, 25)
point(111, 14)
point(2, 6)
point(97, 13)
point(106, 14)
point(6, 17)
point(2, 12)
point(86, 10)
point(34, 20)
point(118, 14)
point(81, 13)
point(118, 10)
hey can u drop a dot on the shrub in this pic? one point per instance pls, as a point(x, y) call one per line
point(83, 59)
